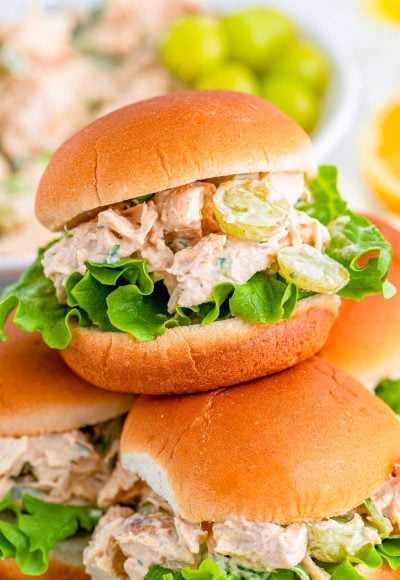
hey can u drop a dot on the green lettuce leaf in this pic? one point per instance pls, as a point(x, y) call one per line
point(210, 570)
point(363, 251)
point(345, 571)
point(355, 243)
point(378, 520)
point(389, 391)
point(123, 297)
point(30, 528)
point(144, 317)
point(264, 299)
point(160, 573)
point(369, 556)
point(37, 307)
point(390, 551)
point(327, 204)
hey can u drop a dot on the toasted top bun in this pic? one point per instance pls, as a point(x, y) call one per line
point(39, 394)
point(65, 563)
point(165, 142)
point(366, 336)
point(305, 444)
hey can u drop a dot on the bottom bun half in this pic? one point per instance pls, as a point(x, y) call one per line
point(201, 358)
point(65, 563)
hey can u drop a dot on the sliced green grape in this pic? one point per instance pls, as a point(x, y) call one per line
point(246, 209)
point(311, 270)
point(232, 77)
point(294, 97)
point(194, 45)
point(258, 35)
point(305, 61)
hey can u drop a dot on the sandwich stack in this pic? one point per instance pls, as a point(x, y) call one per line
point(202, 268)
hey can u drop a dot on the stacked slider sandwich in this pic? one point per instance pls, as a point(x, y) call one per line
point(200, 247)
point(290, 476)
point(59, 439)
point(203, 250)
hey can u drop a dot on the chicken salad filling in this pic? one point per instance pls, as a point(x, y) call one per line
point(51, 486)
point(69, 467)
point(146, 540)
point(248, 246)
point(183, 244)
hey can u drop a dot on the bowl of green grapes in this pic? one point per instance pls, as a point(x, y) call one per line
point(264, 51)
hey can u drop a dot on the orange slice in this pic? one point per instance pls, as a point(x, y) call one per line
point(381, 155)
point(388, 9)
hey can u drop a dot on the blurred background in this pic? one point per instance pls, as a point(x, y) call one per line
point(333, 66)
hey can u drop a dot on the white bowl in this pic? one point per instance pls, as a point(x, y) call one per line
point(11, 268)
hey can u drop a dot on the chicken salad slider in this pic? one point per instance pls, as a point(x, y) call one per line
point(201, 247)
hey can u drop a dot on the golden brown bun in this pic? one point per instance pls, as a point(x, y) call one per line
point(198, 358)
point(39, 394)
point(166, 142)
point(365, 340)
point(65, 563)
point(308, 443)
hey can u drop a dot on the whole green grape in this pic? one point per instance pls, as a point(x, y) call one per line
point(294, 97)
point(194, 45)
point(306, 61)
point(257, 36)
point(230, 76)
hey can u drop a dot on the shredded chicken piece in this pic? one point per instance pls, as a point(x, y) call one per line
point(304, 229)
point(144, 540)
point(216, 258)
point(388, 498)
point(65, 467)
point(181, 213)
point(43, 107)
point(119, 488)
point(315, 572)
point(103, 557)
point(43, 37)
point(159, 257)
point(110, 237)
point(138, 78)
point(291, 185)
point(125, 25)
point(155, 539)
point(261, 546)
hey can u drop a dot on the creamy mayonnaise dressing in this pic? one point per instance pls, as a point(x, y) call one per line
point(260, 546)
point(177, 234)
